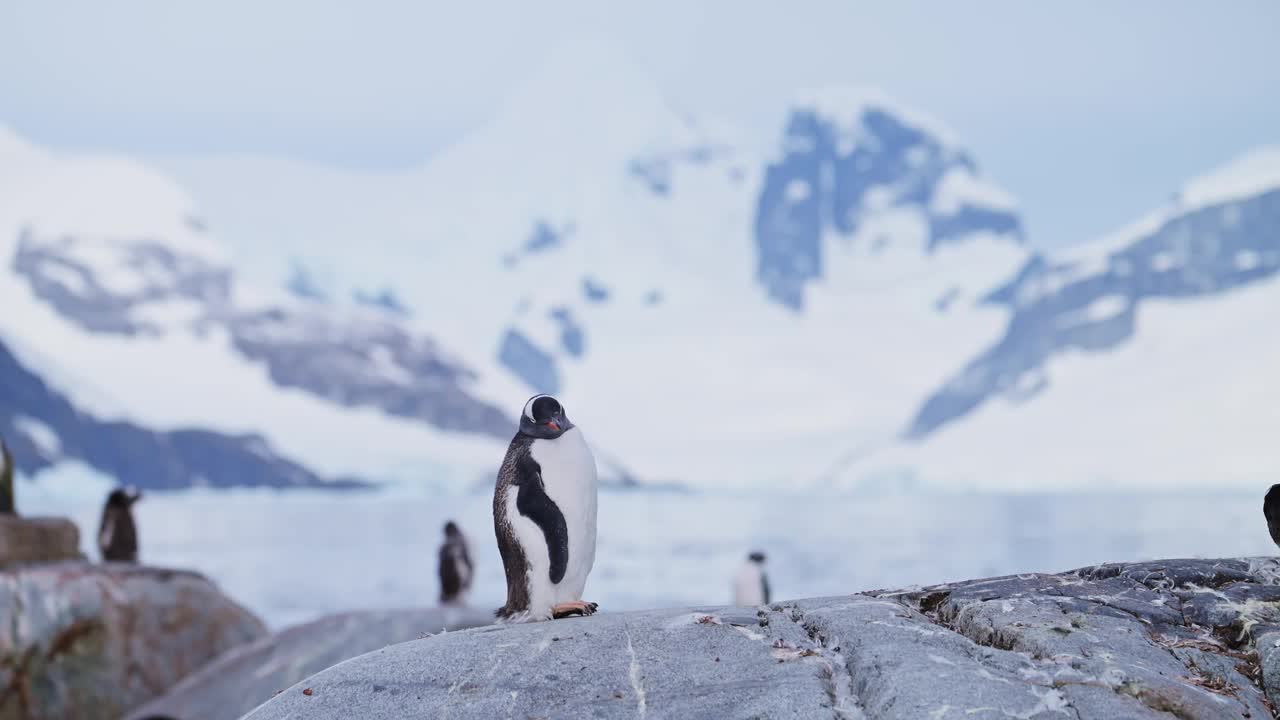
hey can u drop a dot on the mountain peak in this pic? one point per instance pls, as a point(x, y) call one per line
point(847, 106)
point(584, 90)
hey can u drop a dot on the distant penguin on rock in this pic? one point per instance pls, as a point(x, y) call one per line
point(8, 503)
point(455, 566)
point(751, 585)
point(117, 533)
point(1271, 510)
point(544, 514)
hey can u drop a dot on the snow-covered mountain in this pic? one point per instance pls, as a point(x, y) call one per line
point(707, 314)
point(127, 344)
point(856, 305)
point(1146, 356)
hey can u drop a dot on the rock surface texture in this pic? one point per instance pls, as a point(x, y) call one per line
point(92, 641)
point(28, 541)
point(1182, 639)
point(240, 680)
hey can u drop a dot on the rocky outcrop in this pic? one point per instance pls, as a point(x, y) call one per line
point(240, 680)
point(28, 541)
point(1183, 639)
point(92, 641)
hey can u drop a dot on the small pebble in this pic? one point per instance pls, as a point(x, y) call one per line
point(307, 691)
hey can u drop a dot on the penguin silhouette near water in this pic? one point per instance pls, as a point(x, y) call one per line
point(751, 584)
point(1271, 510)
point(455, 566)
point(117, 533)
point(544, 515)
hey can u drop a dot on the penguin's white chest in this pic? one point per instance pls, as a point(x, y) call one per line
point(569, 477)
point(748, 586)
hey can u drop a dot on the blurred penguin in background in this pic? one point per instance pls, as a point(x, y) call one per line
point(117, 534)
point(8, 505)
point(455, 566)
point(751, 586)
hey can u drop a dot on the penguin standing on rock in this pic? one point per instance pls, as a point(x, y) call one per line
point(1271, 510)
point(751, 586)
point(455, 566)
point(544, 514)
point(117, 533)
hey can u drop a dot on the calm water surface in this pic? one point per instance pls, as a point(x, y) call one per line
point(291, 557)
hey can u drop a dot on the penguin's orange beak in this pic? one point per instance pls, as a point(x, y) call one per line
point(553, 425)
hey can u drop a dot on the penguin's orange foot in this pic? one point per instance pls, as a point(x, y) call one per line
point(578, 607)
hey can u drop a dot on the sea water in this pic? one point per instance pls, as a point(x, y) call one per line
point(293, 556)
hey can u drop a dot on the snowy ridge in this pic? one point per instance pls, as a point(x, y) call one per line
point(1138, 356)
point(848, 107)
point(1252, 173)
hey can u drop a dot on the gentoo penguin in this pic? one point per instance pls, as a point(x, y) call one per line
point(455, 566)
point(117, 534)
point(751, 586)
point(1271, 510)
point(7, 504)
point(544, 514)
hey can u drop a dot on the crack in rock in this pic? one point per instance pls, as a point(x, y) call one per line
point(835, 669)
point(633, 673)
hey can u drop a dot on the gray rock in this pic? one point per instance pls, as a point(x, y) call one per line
point(1180, 638)
point(245, 677)
point(82, 641)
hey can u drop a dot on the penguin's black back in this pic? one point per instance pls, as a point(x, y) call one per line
point(122, 541)
point(1271, 510)
point(450, 576)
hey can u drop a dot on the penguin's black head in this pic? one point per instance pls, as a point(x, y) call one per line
point(451, 529)
point(1271, 504)
point(544, 417)
point(124, 497)
point(756, 557)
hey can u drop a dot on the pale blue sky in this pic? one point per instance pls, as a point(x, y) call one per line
point(1089, 112)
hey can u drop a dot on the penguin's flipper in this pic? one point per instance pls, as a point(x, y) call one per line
point(533, 502)
point(569, 609)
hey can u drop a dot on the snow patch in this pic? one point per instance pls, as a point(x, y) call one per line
point(797, 191)
point(70, 482)
point(845, 106)
point(1105, 307)
point(1247, 260)
point(69, 278)
point(1250, 174)
point(45, 439)
point(959, 188)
